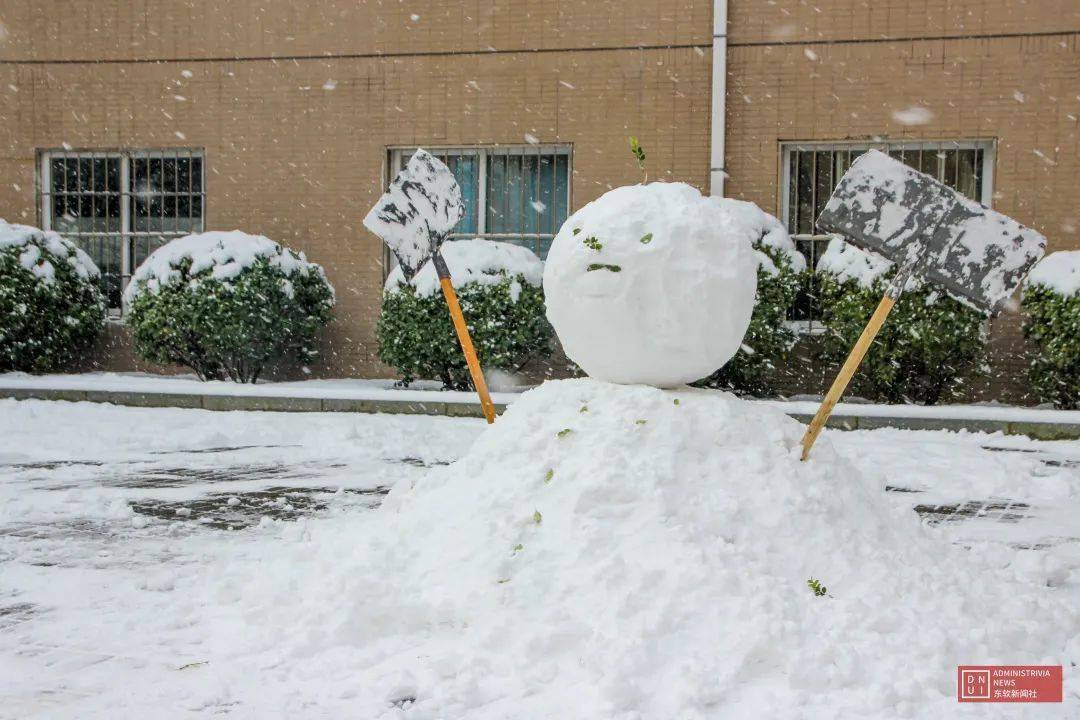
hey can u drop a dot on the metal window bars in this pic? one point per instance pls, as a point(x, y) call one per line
point(517, 194)
point(810, 171)
point(121, 205)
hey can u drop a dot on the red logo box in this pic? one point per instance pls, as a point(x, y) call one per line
point(1008, 683)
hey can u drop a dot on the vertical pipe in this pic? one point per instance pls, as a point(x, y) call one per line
point(719, 97)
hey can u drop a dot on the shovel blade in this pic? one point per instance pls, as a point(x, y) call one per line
point(973, 253)
point(420, 208)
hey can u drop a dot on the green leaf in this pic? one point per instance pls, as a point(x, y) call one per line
point(549, 475)
point(603, 266)
point(646, 238)
point(537, 517)
point(563, 433)
point(592, 243)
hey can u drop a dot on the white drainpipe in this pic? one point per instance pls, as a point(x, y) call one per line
point(719, 97)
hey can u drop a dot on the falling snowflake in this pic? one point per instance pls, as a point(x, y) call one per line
point(329, 84)
point(187, 73)
point(531, 139)
point(539, 206)
point(180, 135)
point(414, 17)
point(914, 115)
point(810, 54)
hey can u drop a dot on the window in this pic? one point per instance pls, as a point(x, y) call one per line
point(519, 195)
point(121, 206)
point(811, 171)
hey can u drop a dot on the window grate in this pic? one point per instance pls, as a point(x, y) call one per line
point(120, 206)
point(811, 170)
point(514, 194)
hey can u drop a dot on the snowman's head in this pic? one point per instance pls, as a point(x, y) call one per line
point(652, 284)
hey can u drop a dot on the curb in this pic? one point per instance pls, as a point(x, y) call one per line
point(846, 419)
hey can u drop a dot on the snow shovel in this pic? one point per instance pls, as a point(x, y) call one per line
point(413, 217)
point(930, 232)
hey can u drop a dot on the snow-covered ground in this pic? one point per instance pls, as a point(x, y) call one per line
point(115, 522)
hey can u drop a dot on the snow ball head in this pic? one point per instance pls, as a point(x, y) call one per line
point(651, 284)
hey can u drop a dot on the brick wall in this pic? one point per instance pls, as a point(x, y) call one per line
point(301, 164)
point(1022, 91)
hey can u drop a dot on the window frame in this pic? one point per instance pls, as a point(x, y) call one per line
point(397, 154)
point(987, 145)
point(126, 235)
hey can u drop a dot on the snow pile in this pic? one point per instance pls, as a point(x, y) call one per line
point(484, 262)
point(1058, 272)
point(608, 551)
point(652, 284)
point(223, 255)
point(846, 262)
point(770, 232)
point(39, 249)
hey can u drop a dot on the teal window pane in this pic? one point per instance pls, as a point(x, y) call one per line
point(467, 173)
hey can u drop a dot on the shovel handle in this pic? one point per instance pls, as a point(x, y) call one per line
point(463, 337)
point(858, 352)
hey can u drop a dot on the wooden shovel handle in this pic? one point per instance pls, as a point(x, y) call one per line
point(467, 347)
point(846, 372)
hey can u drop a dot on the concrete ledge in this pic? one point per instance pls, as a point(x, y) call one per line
point(1058, 426)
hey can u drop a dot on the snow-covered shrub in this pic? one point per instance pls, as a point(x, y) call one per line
point(768, 339)
point(1052, 304)
point(51, 308)
point(924, 349)
point(499, 288)
point(226, 305)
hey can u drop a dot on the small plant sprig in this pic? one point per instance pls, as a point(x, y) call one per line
point(639, 155)
point(593, 244)
point(817, 588)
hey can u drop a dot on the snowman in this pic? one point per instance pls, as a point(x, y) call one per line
point(653, 284)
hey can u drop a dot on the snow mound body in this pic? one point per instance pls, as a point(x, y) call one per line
point(1059, 271)
point(611, 551)
point(485, 262)
point(38, 249)
point(652, 284)
point(224, 254)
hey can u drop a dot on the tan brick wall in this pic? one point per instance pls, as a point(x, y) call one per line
point(301, 164)
point(164, 29)
point(1022, 92)
point(824, 20)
